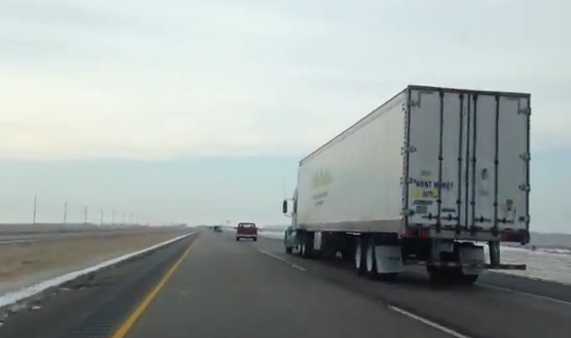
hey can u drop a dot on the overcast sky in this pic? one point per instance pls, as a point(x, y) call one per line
point(167, 79)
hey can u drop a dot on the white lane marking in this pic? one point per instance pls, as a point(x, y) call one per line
point(499, 288)
point(16, 241)
point(281, 259)
point(428, 322)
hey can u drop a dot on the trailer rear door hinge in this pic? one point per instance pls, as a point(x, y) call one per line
point(407, 150)
point(525, 156)
point(407, 212)
point(410, 181)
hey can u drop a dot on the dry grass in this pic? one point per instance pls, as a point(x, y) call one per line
point(23, 259)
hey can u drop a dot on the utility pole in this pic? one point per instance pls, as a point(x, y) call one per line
point(122, 217)
point(35, 209)
point(101, 216)
point(65, 213)
point(113, 217)
point(85, 214)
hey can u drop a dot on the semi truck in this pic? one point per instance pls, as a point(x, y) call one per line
point(432, 177)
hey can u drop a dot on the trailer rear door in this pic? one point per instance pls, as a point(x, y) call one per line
point(468, 160)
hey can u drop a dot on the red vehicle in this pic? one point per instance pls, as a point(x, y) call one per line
point(246, 230)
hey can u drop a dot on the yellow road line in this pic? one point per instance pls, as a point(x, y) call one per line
point(128, 324)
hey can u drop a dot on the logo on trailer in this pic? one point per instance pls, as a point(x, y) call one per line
point(321, 179)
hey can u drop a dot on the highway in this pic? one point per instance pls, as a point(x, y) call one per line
point(211, 286)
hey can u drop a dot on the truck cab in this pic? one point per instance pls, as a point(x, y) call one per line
point(290, 234)
point(290, 239)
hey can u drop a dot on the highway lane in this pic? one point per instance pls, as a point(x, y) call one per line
point(225, 289)
point(252, 289)
point(557, 292)
point(499, 306)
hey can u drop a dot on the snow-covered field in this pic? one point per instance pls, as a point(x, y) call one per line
point(546, 264)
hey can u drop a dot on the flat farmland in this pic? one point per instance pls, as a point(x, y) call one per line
point(25, 257)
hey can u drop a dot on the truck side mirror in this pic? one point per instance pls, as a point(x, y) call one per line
point(284, 207)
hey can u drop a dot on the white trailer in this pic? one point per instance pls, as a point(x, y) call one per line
point(422, 179)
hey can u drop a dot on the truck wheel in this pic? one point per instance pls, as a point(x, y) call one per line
point(255, 239)
point(289, 250)
point(237, 239)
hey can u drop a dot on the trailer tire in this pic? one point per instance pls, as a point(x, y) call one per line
point(442, 275)
point(439, 275)
point(371, 262)
point(359, 257)
point(467, 280)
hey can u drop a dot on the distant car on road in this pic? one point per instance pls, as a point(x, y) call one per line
point(217, 228)
point(247, 230)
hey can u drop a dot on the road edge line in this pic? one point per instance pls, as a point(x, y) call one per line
point(523, 293)
point(428, 322)
point(295, 266)
point(128, 324)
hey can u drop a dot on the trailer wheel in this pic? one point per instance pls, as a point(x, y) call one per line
point(289, 250)
point(467, 280)
point(439, 275)
point(463, 279)
point(359, 256)
point(443, 275)
point(371, 262)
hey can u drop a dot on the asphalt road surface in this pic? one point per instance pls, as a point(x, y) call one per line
point(216, 287)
